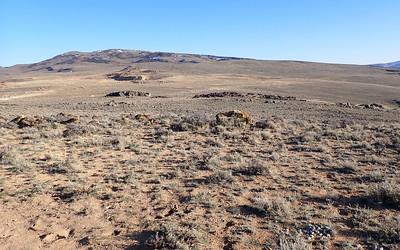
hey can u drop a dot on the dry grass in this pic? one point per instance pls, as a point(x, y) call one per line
point(187, 183)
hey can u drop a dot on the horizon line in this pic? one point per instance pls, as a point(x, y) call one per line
point(203, 54)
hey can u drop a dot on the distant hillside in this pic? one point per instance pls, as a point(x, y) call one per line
point(388, 65)
point(121, 56)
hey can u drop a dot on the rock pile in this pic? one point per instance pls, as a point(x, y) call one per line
point(318, 231)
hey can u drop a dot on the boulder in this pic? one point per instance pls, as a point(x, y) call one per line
point(23, 122)
point(235, 118)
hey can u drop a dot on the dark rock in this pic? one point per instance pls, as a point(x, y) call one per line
point(65, 194)
point(371, 106)
point(317, 231)
point(64, 70)
point(250, 96)
point(128, 94)
point(219, 94)
point(84, 241)
point(248, 211)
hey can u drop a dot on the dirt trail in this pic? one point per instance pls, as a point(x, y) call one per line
point(39, 93)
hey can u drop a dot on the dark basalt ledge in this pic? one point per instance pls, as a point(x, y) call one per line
point(231, 94)
point(128, 94)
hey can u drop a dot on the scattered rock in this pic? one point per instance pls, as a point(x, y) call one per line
point(128, 94)
point(142, 117)
point(363, 106)
point(345, 105)
point(277, 97)
point(371, 106)
point(65, 194)
point(113, 103)
point(318, 231)
point(397, 102)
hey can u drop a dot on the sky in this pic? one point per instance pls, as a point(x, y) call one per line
point(336, 31)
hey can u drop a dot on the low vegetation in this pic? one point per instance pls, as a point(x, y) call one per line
point(227, 181)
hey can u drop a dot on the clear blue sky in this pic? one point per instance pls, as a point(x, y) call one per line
point(343, 31)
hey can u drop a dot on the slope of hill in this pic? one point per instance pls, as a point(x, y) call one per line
point(388, 65)
point(122, 57)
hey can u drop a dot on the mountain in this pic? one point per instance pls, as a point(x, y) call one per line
point(122, 57)
point(388, 65)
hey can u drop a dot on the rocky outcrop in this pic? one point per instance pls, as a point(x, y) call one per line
point(62, 70)
point(360, 106)
point(372, 106)
point(220, 95)
point(128, 94)
point(134, 74)
point(251, 96)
